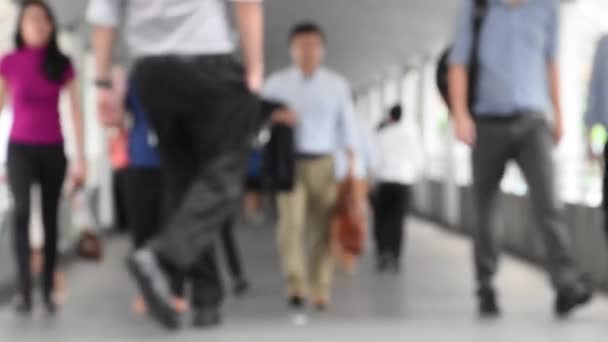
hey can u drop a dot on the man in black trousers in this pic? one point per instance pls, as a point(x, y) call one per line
point(515, 94)
point(202, 107)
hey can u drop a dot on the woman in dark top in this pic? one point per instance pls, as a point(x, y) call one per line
point(32, 77)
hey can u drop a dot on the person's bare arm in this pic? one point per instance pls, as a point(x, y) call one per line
point(458, 85)
point(284, 116)
point(458, 79)
point(78, 171)
point(3, 92)
point(554, 86)
point(77, 121)
point(250, 23)
point(103, 38)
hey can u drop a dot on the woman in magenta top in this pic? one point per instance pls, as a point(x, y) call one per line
point(32, 78)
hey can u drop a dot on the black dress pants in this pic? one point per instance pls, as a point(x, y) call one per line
point(204, 118)
point(144, 203)
point(46, 165)
point(390, 209)
point(119, 189)
point(147, 210)
point(204, 275)
point(231, 251)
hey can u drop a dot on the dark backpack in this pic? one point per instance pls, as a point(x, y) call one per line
point(479, 14)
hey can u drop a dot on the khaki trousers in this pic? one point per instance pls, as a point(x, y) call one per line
point(304, 228)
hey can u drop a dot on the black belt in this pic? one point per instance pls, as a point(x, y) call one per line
point(505, 117)
point(311, 156)
point(214, 60)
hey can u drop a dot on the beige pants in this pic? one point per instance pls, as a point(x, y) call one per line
point(304, 228)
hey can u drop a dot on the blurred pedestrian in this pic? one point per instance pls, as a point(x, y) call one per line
point(320, 99)
point(202, 108)
point(505, 119)
point(33, 76)
point(399, 163)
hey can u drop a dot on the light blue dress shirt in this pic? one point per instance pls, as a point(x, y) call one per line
point(364, 155)
point(597, 107)
point(517, 43)
point(323, 105)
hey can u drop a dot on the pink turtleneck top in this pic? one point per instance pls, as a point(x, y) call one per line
point(34, 98)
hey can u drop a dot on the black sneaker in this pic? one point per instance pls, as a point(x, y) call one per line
point(206, 318)
point(384, 262)
point(50, 306)
point(395, 265)
point(488, 305)
point(296, 302)
point(23, 306)
point(241, 286)
point(569, 299)
point(321, 305)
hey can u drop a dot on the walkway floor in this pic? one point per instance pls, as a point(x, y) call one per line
point(430, 301)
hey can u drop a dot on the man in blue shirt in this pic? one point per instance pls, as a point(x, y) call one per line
point(320, 99)
point(517, 86)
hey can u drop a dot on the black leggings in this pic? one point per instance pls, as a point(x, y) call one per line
point(391, 207)
point(46, 165)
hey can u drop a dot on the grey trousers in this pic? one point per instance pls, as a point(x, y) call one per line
point(204, 117)
point(528, 141)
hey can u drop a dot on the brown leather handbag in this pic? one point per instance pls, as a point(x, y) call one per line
point(348, 220)
point(90, 246)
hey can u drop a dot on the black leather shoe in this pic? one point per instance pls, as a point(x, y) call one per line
point(395, 265)
point(154, 286)
point(241, 286)
point(296, 302)
point(50, 306)
point(488, 305)
point(23, 306)
point(383, 263)
point(206, 318)
point(321, 306)
point(569, 299)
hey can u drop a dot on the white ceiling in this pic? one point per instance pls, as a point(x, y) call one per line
point(366, 37)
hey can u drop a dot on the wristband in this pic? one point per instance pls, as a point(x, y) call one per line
point(103, 83)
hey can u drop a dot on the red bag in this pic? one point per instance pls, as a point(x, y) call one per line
point(90, 247)
point(348, 221)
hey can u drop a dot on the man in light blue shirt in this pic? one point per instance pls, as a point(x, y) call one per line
point(320, 99)
point(322, 104)
point(517, 84)
point(517, 50)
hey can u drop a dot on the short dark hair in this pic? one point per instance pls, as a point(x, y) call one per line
point(307, 27)
point(396, 113)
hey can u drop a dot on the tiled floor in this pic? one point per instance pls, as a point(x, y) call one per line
point(430, 301)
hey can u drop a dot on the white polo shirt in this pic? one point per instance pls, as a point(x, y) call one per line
point(159, 27)
point(399, 157)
